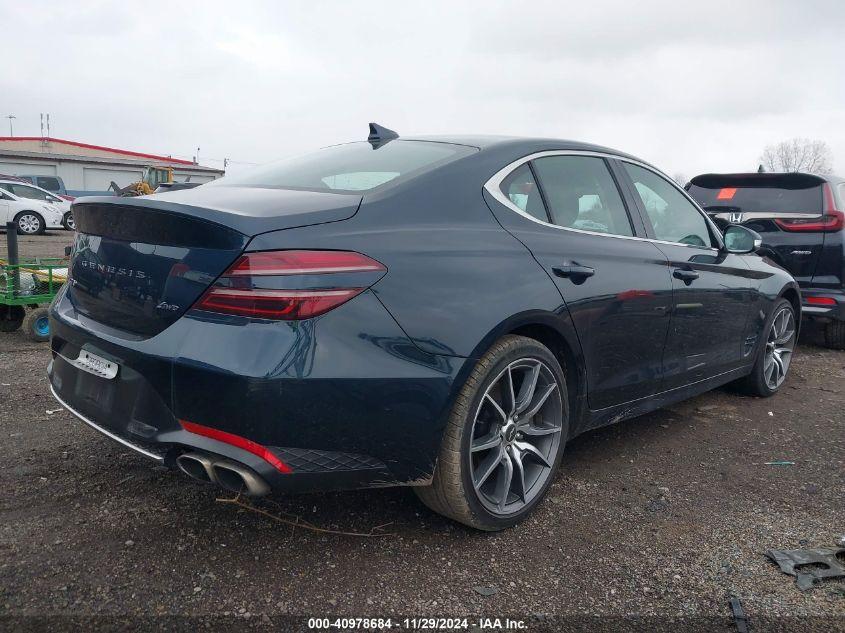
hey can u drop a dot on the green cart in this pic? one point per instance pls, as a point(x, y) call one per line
point(30, 283)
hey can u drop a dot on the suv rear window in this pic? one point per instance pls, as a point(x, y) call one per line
point(354, 167)
point(789, 193)
point(49, 183)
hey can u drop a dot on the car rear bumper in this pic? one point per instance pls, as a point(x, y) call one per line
point(823, 303)
point(343, 401)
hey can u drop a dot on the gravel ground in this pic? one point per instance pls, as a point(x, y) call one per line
point(661, 517)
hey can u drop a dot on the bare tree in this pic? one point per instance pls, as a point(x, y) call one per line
point(680, 178)
point(798, 154)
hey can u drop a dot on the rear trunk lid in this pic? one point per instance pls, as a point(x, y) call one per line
point(759, 201)
point(140, 263)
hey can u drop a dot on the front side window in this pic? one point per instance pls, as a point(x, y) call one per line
point(354, 167)
point(672, 216)
point(582, 194)
point(521, 189)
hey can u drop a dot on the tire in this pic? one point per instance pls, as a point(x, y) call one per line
point(68, 222)
point(834, 335)
point(29, 223)
point(453, 492)
point(36, 325)
point(757, 383)
point(11, 317)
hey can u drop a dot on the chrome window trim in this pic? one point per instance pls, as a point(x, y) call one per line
point(108, 434)
point(493, 187)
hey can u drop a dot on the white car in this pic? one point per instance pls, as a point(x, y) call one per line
point(32, 208)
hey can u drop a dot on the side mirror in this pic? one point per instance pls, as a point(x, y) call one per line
point(741, 240)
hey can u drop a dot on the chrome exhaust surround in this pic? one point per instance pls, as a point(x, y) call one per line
point(223, 472)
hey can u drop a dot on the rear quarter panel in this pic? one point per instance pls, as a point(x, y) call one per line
point(454, 275)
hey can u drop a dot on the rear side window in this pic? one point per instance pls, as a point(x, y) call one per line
point(673, 217)
point(353, 167)
point(49, 183)
point(521, 189)
point(582, 194)
point(729, 196)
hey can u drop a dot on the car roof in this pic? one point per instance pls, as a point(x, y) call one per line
point(489, 141)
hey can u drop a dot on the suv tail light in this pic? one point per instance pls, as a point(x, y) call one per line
point(831, 221)
point(247, 287)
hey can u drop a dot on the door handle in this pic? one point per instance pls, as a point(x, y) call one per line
point(577, 273)
point(687, 276)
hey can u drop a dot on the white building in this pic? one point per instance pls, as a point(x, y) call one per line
point(86, 168)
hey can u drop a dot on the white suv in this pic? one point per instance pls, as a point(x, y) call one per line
point(31, 208)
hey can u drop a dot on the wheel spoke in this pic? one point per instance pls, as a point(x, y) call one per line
point(540, 401)
point(488, 465)
point(526, 391)
point(779, 369)
point(536, 431)
point(785, 338)
point(770, 372)
point(508, 388)
point(486, 442)
point(503, 485)
point(519, 471)
point(533, 451)
point(496, 406)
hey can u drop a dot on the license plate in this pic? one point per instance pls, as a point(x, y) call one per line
point(97, 365)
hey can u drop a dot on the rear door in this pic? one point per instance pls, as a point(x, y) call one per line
point(780, 207)
point(713, 290)
point(567, 209)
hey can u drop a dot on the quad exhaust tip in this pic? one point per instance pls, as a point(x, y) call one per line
point(223, 472)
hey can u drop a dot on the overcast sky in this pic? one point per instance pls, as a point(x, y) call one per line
point(690, 87)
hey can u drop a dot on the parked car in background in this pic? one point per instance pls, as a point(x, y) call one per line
point(32, 209)
point(800, 218)
point(53, 184)
point(442, 313)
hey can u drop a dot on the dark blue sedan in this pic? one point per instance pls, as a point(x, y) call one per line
point(442, 313)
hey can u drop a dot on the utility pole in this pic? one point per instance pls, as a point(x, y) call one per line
point(10, 117)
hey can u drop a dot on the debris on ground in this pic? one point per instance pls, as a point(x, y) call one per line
point(485, 591)
point(740, 619)
point(809, 566)
point(780, 463)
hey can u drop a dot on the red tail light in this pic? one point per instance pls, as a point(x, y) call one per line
point(820, 301)
point(239, 290)
point(303, 263)
point(831, 221)
point(239, 442)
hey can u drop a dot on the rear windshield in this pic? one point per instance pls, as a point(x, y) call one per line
point(799, 197)
point(352, 167)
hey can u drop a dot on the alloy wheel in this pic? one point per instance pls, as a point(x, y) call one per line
point(516, 435)
point(29, 224)
point(779, 347)
point(70, 222)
